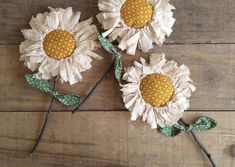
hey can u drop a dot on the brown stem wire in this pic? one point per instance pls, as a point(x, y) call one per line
point(94, 87)
point(203, 148)
point(45, 121)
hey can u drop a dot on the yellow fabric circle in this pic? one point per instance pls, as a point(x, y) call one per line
point(59, 44)
point(136, 13)
point(156, 89)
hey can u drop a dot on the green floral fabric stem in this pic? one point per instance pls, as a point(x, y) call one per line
point(108, 46)
point(202, 124)
point(44, 86)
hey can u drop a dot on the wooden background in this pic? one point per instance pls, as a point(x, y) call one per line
point(203, 38)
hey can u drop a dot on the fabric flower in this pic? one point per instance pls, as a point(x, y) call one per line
point(158, 92)
point(59, 45)
point(136, 22)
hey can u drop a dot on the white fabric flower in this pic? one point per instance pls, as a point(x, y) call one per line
point(136, 22)
point(158, 92)
point(59, 45)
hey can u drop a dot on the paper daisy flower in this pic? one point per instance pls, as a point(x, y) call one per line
point(59, 45)
point(136, 22)
point(158, 91)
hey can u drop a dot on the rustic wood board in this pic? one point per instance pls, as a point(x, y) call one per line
point(98, 139)
point(207, 21)
point(203, 38)
point(212, 68)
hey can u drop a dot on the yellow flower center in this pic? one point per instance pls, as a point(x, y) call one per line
point(59, 44)
point(156, 89)
point(136, 13)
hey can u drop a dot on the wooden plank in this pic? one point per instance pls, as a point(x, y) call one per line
point(109, 139)
point(212, 67)
point(206, 22)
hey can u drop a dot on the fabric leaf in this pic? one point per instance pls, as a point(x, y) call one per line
point(40, 84)
point(118, 67)
point(202, 124)
point(68, 100)
point(108, 46)
point(44, 86)
point(172, 131)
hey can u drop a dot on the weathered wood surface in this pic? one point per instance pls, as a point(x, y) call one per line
point(98, 139)
point(212, 68)
point(203, 38)
point(207, 21)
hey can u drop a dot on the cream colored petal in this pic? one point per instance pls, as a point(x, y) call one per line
point(145, 42)
point(129, 88)
point(71, 71)
point(131, 75)
point(36, 59)
point(137, 109)
point(81, 26)
point(73, 21)
point(129, 100)
point(151, 119)
point(93, 55)
point(157, 61)
point(132, 43)
point(82, 62)
point(38, 23)
point(63, 72)
point(29, 46)
point(117, 32)
point(86, 33)
point(32, 34)
point(66, 16)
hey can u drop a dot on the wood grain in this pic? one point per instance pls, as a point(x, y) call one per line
point(212, 68)
point(209, 21)
point(109, 139)
point(203, 38)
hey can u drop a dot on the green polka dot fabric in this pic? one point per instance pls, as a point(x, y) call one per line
point(108, 46)
point(44, 86)
point(202, 124)
point(172, 131)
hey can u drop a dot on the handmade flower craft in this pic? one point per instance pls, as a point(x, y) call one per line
point(59, 45)
point(136, 22)
point(157, 91)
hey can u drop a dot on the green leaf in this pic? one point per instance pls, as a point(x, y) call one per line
point(118, 67)
point(40, 84)
point(108, 46)
point(68, 100)
point(172, 131)
point(204, 123)
point(44, 86)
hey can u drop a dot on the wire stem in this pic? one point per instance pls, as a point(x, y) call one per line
point(203, 148)
point(94, 87)
point(45, 121)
